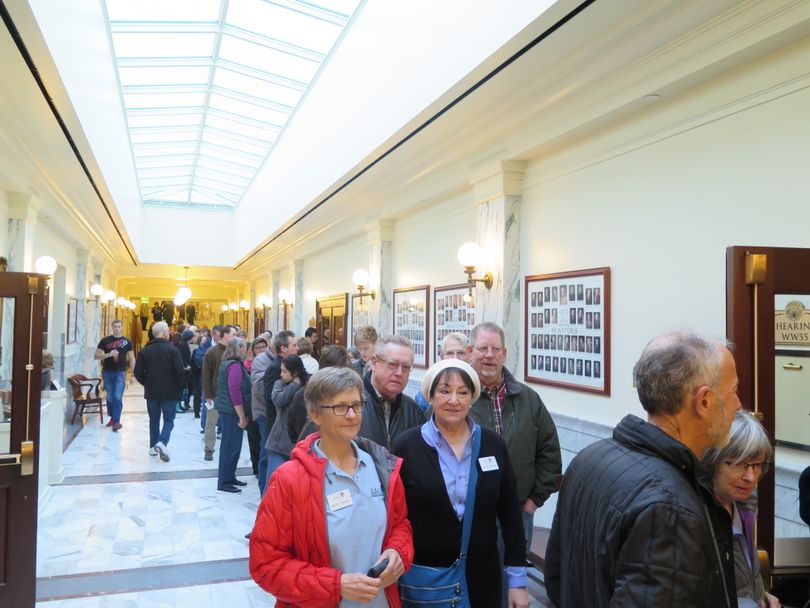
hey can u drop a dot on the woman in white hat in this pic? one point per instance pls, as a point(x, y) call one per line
point(443, 459)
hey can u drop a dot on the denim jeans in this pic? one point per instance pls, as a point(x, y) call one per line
point(229, 448)
point(155, 408)
point(261, 421)
point(114, 382)
point(274, 461)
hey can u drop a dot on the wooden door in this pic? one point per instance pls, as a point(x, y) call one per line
point(330, 319)
point(752, 303)
point(23, 302)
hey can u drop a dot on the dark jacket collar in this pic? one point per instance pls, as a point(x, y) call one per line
point(375, 396)
point(641, 436)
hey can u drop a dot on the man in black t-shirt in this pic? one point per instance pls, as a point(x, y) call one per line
point(115, 354)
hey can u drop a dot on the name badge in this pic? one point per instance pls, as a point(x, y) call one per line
point(339, 500)
point(488, 463)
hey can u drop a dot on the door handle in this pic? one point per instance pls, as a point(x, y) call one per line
point(794, 367)
point(25, 458)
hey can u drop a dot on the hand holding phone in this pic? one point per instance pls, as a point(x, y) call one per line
point(376, 570)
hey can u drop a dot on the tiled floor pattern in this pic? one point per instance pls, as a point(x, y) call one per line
point(118, 512)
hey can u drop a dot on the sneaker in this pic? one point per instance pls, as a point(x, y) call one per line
point(209, 455)
point(162, 451)
point(153, 451)
point(117, 426)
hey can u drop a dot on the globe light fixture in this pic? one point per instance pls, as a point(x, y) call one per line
point(360, 279)
point(470, 255)
point(45, 265)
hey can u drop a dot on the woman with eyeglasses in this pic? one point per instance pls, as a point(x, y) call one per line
point(333, 511)
point(442, 460)
point(734, 472)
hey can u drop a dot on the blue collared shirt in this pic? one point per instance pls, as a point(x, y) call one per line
point(456, 475)
point(355, 531)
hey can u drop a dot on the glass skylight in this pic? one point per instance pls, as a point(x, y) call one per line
point(208, 86)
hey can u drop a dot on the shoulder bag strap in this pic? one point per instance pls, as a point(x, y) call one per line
point(469, 504)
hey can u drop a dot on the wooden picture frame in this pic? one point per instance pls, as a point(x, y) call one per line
point(451, 313)
point(411, 315)
point(72, 320)
point(570, 328)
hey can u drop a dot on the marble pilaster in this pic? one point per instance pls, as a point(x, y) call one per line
point(82, 289)
point(22, 214)
point(298, 321)
point(276, 316)
point(94, 309)
point(498, 234)
point(381, 275)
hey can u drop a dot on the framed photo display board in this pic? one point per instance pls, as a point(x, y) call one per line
point(72, 323)
point(359, 314)
point(411, 314)
point(451, 313)
point(567, 330)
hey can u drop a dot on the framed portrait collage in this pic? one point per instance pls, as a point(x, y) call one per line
point(411, 315)
point(567, 330)
point(453, 311)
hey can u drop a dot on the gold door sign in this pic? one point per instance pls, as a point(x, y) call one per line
point(793, 324)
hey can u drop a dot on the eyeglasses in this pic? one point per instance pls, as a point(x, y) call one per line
point(742, 467)
point(341, 409)
point(394, 366)
point(483, 350)
point(455, 354)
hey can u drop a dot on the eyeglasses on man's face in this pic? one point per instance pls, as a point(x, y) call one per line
point(341, 409)
point(395, 365)
point(742, 467)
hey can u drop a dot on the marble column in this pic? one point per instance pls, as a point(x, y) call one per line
point(91, 366)
point(298, 324)
point(498, 234)
point(381, 275)
point(82, 289)
point(277, 318)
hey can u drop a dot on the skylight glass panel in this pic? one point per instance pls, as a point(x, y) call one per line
point(160, 10)
point(164, 120)
point(139, 76)
point(257, 87)
point(209, 85)
point(170, 44)
point(243, 128)
point(268, 59)
point(163, 100)
point(283, 24)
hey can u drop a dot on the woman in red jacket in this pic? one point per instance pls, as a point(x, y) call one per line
point(334, 511)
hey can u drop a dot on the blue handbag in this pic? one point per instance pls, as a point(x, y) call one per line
point(445, 587)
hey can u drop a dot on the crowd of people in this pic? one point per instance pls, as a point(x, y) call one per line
point(374, 498)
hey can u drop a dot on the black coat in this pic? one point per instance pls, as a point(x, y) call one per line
point(404, 415)
point(160, 370)
point(271, 374)
point(631, 527)
point(437, 529)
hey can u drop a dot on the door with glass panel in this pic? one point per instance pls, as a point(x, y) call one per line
point(330, 316)
point(768, 319)
point(22, 307)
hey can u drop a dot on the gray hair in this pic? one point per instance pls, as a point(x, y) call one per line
point(160, 329)
point(326, 383)
point(487, 326)
point(458, 337)
point(304, 346)
point(282, 340)
point(674, 365)
point(379, 348)
point(747, 440)
point(234, 349)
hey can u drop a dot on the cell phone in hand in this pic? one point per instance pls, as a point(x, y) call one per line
point(377, 570)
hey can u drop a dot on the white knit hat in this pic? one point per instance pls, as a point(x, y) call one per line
point(430, 374)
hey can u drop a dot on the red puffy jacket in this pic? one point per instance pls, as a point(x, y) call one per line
point(289, 550)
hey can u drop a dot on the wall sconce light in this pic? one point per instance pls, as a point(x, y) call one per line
point(96, 290)
point(45, 265)
point(284, 296)
point(108, 296)
point(264, 302)
point(233, 306)
point(120, 301)
point(224, 308)
point(470, 255)
point(360, 279)
point(244, 304)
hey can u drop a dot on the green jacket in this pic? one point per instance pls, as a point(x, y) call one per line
point(530, 436)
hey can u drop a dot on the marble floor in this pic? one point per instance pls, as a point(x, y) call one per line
point(128, 530)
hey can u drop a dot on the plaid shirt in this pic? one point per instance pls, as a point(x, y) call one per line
point(497, 394)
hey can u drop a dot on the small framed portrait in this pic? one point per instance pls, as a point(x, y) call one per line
point(411, 315)
point(454, 311)
point(572, 311)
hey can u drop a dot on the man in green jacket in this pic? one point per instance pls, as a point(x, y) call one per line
point(516, 413)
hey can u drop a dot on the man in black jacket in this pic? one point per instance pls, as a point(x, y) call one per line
point(633, 525)
point(388, 411)
point(160, 370)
